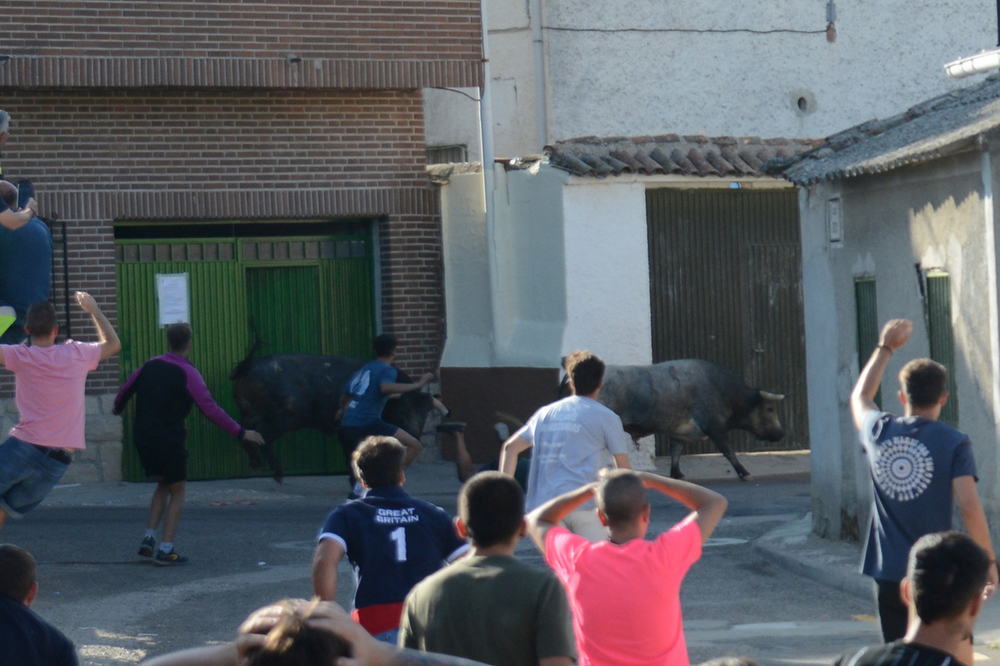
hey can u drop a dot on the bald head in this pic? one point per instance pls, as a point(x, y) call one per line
point(621, 497)
point(8, 192)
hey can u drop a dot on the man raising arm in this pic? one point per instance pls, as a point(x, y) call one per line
point(918, 466)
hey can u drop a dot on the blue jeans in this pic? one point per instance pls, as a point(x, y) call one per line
point(27, 475)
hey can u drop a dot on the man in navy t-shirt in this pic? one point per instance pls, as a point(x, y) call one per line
point(25, 638)
point(392, 540)
point(364, 397)
point(918, 466)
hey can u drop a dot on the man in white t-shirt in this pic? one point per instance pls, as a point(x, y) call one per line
point(570, 437)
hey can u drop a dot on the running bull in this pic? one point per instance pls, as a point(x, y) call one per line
point(690, 400)
point(282, 393)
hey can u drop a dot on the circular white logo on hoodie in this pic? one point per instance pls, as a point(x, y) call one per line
point(904, 468)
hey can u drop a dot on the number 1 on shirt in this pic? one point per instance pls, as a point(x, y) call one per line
point(399, 536)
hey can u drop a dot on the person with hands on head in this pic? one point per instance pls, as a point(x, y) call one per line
point(166, 387)
point(49, 392)
point(363, 400)
point(919, 466)
point(569, 440)
point(625, 591)
point(289, 634)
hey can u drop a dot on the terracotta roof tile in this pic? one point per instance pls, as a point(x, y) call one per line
point(690, 155)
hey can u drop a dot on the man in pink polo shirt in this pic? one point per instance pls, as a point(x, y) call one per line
point(49, 382)
point(625, 591)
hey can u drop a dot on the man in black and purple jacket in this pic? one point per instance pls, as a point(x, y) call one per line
point(166, 387)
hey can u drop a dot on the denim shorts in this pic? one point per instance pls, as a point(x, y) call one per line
point(27, 475)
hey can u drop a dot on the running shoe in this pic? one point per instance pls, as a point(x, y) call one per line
point(147, 547)
point(169, 559)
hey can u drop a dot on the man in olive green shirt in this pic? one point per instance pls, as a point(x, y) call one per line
point(490, 606)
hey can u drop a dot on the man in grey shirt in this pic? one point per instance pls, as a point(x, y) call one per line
point(570, 437)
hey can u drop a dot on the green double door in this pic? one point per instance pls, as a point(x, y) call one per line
point(304, 295)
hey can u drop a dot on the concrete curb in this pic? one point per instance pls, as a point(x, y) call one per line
point(795, 548)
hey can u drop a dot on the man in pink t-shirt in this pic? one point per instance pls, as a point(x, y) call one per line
point(625, 591)
point(49, 383)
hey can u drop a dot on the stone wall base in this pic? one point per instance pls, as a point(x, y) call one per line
point(102, 459)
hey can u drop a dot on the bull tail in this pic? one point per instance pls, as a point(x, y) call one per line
point(244, 365)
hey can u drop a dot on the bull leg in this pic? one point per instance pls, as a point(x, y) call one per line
point(675, 458)
point(252, 455)
point(273, 462)
point(722, 443)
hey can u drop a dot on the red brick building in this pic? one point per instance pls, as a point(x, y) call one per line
point(188, 113)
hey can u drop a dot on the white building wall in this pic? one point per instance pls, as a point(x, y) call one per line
point(607, 270)
point(695, 78)
point(718, 68)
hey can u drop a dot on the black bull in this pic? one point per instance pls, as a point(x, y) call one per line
point(282, 393)
point(689, 400)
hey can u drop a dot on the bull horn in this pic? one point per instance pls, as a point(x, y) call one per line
point(438, 405)
point(772, 396)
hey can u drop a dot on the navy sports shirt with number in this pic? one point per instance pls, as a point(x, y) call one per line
point(393, 541)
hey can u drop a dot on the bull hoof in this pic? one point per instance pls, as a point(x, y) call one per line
point(744, 476)
point(279, 477)
point(676, 474)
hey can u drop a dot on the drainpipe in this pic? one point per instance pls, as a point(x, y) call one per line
point(489, 184)
point(991, 276)
point(541, 104)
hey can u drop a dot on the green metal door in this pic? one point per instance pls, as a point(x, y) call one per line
point(305, 295)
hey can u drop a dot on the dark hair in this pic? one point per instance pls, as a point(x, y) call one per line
point(621, 497)
point(947, 570)
point(585, 370)
point(923, 382)
point(17, 572)
point(41, 319)
point(491, 505)
point(293, 642)
point(378, 461)
point(384, 345)
point(178, 336)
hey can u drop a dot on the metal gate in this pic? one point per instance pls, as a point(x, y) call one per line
point(726, 286)
point(305, 294)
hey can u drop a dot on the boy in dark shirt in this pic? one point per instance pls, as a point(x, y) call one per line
point(25, 638)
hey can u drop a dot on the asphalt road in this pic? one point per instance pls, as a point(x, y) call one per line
point(120, 609)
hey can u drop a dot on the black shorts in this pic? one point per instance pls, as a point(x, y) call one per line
point(355, 434)
point(166, 460)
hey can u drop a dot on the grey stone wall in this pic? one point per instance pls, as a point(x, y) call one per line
point(102, 459)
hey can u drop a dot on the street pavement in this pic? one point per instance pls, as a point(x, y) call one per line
point(764, 588)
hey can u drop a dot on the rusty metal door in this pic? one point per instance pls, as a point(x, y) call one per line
point(726, 286)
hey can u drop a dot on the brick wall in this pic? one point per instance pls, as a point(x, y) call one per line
point(341, 43)
point(96, 156)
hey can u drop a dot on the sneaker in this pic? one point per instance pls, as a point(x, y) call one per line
point(147, 546)
point(452, 427)
point(169, 559)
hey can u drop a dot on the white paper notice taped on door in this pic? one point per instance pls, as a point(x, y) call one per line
point(172, 298)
